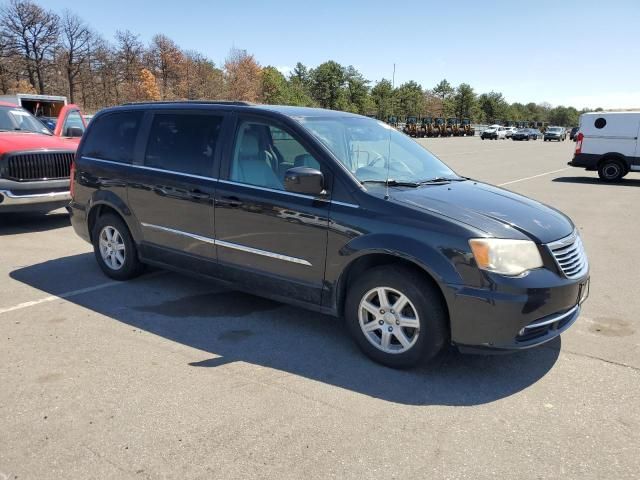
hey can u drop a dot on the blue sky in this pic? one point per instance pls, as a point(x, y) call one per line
point(564, 52)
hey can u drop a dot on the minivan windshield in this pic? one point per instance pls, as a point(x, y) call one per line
point(376, 152)
point(19, 120)
point(554, 129)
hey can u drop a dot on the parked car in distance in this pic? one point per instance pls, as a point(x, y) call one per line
point(49, 122)
point(573, 134)
point(35, 162)
point(555, 133)
point(526, 134)
point(509, 131)
point(331, 211)
point(608, 142)
point(494, 132)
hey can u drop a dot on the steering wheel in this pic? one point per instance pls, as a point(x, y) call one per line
point(378, 157)
point(395, 164)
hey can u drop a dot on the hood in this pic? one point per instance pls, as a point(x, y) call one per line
point(16, 141)
point(495, 211)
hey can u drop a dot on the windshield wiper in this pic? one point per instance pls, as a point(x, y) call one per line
point(442, 180)
point(392, 183)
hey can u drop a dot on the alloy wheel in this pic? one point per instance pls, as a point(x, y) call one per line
point(389, 320)
point(112, 248)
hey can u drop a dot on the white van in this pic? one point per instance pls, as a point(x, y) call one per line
point(608, 142)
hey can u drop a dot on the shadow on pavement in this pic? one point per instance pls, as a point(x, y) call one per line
point(625, 182)
point(15, 223)
point(237, 327)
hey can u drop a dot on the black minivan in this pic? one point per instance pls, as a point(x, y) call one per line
point(330, 211)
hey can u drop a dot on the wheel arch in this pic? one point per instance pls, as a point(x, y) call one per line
point(102, 206)
point(614, 156)
point(371, 259)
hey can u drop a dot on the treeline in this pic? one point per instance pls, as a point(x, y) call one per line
point(46, 52)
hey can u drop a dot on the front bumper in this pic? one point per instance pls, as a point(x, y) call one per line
point(515, 313)
point(33, 196)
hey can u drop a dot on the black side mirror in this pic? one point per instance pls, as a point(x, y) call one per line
point(74, 132)
point(305, 180)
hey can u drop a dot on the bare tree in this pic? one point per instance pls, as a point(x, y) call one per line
point(167, 61)
point(202, 80)
point(75, 44)
point(5, 59)
point(242, 76)
point(129, 52)
point(33, 32)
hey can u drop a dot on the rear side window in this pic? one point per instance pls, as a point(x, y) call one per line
point(183, 142)
point(113, 137)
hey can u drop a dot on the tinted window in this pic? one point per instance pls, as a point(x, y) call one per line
point(263, 153)
point(183, 142)
point(113, 137)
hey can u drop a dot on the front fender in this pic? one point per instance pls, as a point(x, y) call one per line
point(437, 262)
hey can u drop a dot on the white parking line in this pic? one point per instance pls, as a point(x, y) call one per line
point(70, 294)
point(51, 298)
point(474, 152)
point(534, 176)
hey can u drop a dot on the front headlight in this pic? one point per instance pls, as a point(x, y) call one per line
point(504, 256)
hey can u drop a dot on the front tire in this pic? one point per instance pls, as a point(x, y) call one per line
point(396, 316)
point(114, 248)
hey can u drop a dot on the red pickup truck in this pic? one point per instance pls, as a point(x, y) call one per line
point(35, 162)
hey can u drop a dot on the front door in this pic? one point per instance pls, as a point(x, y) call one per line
point(268, 238)
point(171, 191)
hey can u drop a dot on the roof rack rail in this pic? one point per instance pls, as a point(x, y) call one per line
point(208, 102)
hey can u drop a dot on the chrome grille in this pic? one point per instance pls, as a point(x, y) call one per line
point(38, 166)
point(570, 256)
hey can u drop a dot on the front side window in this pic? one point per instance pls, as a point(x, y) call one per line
point(19, 120)
point(263, 153)
point(182, 142)
point(113, 137)
point(374, 151)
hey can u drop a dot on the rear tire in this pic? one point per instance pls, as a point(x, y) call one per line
point(396, 316)
point(611, 170)
point(114, 248)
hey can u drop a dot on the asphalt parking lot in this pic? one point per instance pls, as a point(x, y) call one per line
point(173, 377)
